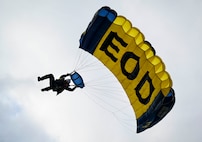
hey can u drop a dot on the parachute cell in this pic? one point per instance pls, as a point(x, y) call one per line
point(124, 51)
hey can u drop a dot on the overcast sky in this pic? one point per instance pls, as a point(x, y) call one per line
point(42, 36)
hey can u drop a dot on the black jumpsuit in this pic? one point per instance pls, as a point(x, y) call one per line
point(57, 85)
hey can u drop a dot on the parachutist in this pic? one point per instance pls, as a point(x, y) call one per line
point(57, 85)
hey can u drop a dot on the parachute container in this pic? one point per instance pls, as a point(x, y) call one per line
point(77, 79)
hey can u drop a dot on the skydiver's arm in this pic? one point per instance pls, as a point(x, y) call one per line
point(71, 89)
point(65, 75)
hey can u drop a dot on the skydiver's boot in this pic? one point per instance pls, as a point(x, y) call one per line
point(39, 78)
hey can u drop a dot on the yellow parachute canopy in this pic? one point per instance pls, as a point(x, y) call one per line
point(124, 51)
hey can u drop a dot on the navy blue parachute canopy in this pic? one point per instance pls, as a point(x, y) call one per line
point(77, 79)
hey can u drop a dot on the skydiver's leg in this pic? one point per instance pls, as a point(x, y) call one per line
point(46, 76)
point(46, 89)
point(52, 79)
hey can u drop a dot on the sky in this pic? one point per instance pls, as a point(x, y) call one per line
point(42, 36)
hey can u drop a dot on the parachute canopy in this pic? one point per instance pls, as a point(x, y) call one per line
point(124, 51)
point(77, 79)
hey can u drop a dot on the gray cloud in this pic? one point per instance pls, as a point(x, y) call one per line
point(15, 125)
